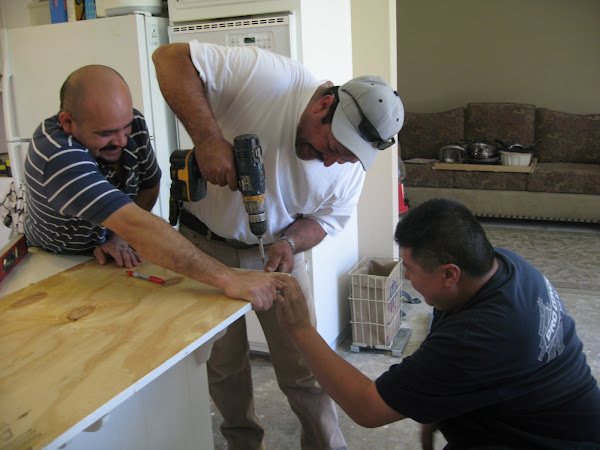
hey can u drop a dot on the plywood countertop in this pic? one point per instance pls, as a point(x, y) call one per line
point(75, 345)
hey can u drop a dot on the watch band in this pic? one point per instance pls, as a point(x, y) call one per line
point(290, 241)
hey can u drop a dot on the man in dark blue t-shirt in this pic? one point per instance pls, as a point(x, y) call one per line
point(502, 366)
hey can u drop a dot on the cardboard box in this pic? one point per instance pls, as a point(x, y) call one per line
point(376, 302)
point(375, 336)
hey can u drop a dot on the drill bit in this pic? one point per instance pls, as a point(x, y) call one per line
point(262, 250)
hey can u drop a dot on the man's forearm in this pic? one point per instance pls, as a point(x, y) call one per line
point(146, 198)
point(157, 241)
point(346, 385)
point(183, 91)
point(306, 233)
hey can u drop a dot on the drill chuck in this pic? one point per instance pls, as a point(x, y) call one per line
point(258, 224)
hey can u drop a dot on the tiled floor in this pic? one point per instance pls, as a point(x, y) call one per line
point(568, 254)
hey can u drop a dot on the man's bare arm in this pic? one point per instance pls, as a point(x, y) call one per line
point(306, 233)
point(155, 240)
point(356, 394)
point(146, 198)
point(183, 91)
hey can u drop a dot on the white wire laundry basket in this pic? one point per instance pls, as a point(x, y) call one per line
point(376, 302)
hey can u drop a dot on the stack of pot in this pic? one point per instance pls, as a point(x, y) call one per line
point(484, 152)
point(474, 152)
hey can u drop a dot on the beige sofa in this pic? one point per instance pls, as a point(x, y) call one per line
point(563, 186)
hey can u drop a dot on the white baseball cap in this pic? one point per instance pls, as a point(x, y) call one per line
point(368, 116)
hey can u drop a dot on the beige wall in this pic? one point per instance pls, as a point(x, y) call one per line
point(542, 52)
point(374, 53)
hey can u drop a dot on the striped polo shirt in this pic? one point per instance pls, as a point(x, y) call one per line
point(69, 193)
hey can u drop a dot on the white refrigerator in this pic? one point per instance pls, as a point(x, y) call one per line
point(38, 59)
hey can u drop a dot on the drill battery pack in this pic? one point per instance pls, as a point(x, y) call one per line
point(187, 183)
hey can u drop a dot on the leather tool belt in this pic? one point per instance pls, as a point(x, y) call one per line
point(193, 223)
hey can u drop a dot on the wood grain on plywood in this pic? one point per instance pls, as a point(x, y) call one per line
point(72, 343)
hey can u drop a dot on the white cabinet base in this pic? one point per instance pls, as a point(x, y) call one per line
point(171, 412)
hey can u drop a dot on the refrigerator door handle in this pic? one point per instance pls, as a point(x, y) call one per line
point(13, 141)
point(16, 156)
point(7, 98)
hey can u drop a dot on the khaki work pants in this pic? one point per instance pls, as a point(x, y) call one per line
point(229, 372)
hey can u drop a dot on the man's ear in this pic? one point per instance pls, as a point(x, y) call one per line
point(323, 105)
point(66, 121)
point(451, 274)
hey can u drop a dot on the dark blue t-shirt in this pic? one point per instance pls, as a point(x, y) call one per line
point(507, 368)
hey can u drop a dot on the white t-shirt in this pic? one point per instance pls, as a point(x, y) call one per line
point(251, 90)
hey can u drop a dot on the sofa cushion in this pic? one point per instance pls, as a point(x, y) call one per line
point(566, 178)
point(505, 181)
point(423, 134)
point(423, 175)
point(512, 123)
point(569, 138)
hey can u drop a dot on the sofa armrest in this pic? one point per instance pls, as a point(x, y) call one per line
point(567, 138)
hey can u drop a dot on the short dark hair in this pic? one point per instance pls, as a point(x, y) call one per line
point(444, 231)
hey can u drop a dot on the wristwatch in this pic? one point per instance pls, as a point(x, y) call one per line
point(290, 241)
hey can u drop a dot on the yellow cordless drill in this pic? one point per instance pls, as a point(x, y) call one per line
point(188, 185)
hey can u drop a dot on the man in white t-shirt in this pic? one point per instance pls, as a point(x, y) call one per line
point(305, 127)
